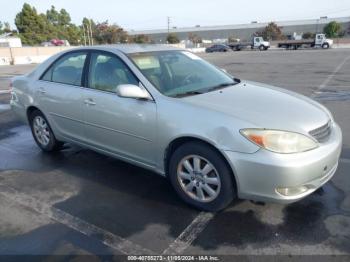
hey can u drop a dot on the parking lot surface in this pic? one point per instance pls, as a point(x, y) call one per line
point(81, 202)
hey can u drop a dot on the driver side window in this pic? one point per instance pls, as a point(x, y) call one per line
point(107, 72)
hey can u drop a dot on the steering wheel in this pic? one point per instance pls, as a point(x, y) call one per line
point(187, 79)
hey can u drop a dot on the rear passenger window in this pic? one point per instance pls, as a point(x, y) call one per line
point(67, 70)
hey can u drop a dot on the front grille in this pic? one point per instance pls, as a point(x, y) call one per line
point(322, 133)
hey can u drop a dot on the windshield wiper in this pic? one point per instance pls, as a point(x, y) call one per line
point(223, 85)
point(189, 93)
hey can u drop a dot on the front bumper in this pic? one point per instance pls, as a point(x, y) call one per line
point(260, 174)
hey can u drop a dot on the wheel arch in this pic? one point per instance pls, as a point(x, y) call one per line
point(30, 109)
point(179, 141)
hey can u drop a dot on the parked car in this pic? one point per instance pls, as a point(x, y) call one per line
point(165, 109)
point(217, 48)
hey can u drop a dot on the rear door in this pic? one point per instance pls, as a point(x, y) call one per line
point(59, 95)
point(122, 126)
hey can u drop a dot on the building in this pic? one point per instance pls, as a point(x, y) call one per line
point(244, 31)
point(6, 40)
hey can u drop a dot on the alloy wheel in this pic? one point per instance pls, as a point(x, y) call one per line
point(198, 178)
point(41, 130)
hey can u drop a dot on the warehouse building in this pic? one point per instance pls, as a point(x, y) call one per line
point(244, 31)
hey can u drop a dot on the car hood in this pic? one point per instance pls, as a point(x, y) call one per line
point(265, 106)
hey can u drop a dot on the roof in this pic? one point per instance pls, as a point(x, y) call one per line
point(241, 26)
point(136, 48)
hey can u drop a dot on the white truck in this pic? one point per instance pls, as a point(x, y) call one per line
point(257, 43)
point(319, 41)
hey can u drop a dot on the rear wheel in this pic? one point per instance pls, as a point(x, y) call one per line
point(42, 132)
point(201, 177)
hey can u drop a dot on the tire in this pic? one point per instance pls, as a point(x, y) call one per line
point(325, 46)
point(261, 48)
point(40, 128)
point(197, 181)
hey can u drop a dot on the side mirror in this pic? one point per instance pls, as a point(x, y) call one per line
point(132, 91)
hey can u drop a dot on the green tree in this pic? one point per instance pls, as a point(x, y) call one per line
point(140, 39)
point(271, 32)
point(172, 38)
point(64, 18)
point(332, 29)
point(308, 35)
point(53, 16)
point(61, 18)
point(33, 27)
point(109, 34)
point(61, 27)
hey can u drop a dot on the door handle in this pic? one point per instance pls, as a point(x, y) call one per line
point(89, 102)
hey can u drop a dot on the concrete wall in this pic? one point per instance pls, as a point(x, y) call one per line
point(34, 55)
point(27, 55)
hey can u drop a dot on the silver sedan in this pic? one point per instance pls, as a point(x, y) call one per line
point(214, 136)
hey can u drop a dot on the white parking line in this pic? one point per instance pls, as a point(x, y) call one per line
point(326, 81)
point(185, 239)
point(118, 243)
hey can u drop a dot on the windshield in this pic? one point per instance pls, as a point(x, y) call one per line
point(180, 73)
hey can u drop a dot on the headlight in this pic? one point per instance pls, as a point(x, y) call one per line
point(279, 141)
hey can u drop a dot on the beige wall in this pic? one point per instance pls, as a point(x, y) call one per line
point(34, 55)
point(27, 55)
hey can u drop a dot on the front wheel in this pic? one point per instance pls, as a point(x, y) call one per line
point(261, 48)
point(325, 46)
point(201, 177)
point(42, 132)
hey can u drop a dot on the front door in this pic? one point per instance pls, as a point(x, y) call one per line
point(123, 126)
point(319, 39)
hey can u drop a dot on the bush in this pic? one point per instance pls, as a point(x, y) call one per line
point(308, 35)
point(232, 39)
point(172, 38)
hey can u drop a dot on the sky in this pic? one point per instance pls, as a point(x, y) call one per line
point(152, 14)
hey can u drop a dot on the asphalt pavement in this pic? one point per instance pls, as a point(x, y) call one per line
point(78, 202)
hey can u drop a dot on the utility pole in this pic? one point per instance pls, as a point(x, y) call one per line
point(168, 22)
